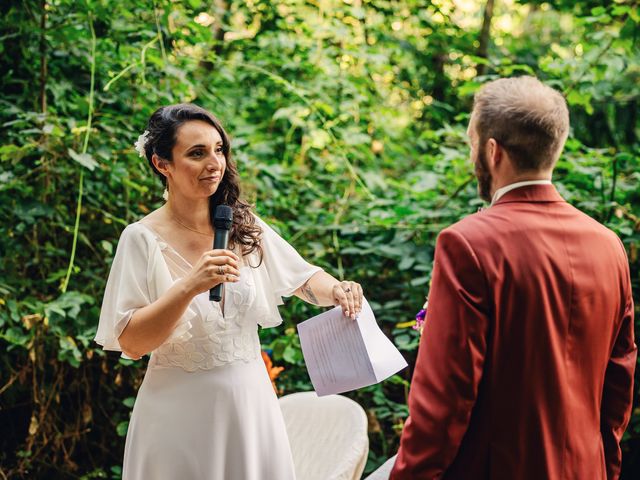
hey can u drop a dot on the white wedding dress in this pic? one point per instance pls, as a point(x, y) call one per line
point(206, 409)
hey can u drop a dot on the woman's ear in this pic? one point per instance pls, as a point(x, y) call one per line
point(161, 165)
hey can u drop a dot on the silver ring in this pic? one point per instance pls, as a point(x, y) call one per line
point(221, 270)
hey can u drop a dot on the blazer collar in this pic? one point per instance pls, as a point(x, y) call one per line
point(531, 193)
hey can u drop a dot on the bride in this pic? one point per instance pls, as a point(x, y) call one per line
point(206, 408)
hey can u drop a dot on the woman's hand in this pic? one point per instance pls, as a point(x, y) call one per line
point(348, 295)
point(213, 268)
point(150, 325)
point(323, 289)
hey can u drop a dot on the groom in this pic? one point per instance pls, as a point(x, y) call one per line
point(525, 367)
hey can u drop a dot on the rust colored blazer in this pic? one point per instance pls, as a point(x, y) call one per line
point(525, 366)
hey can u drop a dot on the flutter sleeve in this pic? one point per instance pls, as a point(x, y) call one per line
point(127, 287)
point(282, 272)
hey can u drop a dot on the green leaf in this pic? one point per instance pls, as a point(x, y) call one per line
point(292, 354)
point(319, 139)
point(418, 281)
point(15, 336)
point(577, 98)
point(122, 428)
point(620, 10)
point(406, 263)
point(107, 247)
point(83, 159)
point(14, 153)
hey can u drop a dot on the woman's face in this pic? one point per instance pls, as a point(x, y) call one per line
point(198, 162)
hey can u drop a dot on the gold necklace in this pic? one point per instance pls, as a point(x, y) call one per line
point(192, 229)
point(188, 227)
point(174, 217)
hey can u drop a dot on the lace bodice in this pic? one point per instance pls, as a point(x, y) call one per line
point(211, 338)
point(146, 266)
point(207, 352)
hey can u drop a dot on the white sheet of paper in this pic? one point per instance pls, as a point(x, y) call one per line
point(344, 354)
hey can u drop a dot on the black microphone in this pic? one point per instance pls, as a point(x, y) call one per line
point(222, 221)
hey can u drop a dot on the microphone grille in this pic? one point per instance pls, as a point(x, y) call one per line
point(223, 218)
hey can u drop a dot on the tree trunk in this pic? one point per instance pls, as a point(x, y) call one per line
point(43, 57)
point(220, 10)
point(221, 6)
point(485, 35)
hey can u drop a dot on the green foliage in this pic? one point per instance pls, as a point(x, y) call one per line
point(348, 122)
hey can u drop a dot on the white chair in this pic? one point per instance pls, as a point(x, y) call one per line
point(328, 436)
point(383, 472)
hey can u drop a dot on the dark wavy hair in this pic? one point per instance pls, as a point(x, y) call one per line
point(163, 127)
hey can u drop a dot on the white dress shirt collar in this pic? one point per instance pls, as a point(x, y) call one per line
point(507, 188)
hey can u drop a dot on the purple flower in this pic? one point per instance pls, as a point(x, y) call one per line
point(420, 316)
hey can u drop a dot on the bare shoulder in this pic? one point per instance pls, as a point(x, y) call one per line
point(158, 221)
point(155, 218)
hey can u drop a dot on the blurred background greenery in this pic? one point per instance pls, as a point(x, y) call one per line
point(348, 121)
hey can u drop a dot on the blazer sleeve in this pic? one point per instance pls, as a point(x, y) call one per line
point(450, 362)
point(617, 397)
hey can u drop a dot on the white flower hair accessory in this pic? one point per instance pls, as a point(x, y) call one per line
point(141, 143)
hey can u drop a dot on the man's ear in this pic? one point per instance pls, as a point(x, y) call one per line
point(495, 153)
point(160, 164)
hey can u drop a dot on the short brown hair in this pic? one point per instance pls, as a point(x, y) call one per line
point(527, 118)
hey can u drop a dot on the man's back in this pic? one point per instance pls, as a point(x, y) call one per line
point(543, 294)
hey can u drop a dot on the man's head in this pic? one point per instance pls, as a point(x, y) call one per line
point(518, 128)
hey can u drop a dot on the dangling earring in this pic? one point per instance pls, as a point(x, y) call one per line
point(165, 194)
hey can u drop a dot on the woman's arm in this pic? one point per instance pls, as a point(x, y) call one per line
point(152, 324)
point(324, 290)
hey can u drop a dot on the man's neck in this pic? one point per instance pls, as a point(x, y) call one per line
point(507, 180)
point(512, 186)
